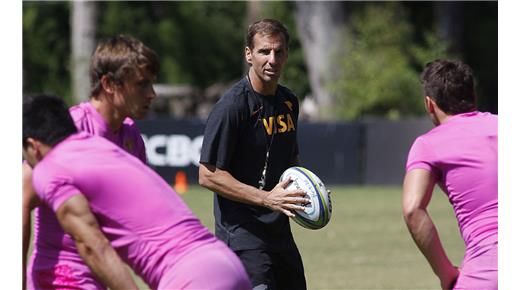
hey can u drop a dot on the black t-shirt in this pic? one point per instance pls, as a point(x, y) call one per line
point(242, 126)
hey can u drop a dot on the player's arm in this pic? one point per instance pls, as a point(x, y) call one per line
point(278, 199)
point(77, 220)
point(417, 192)
point(29, 201)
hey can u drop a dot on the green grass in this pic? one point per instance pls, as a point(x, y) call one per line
point(366, 245)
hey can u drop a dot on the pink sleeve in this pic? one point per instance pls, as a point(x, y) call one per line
point(421, 156)
point(56, 191)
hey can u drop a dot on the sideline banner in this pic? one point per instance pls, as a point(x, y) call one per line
point(331, 150)
point(370, 152)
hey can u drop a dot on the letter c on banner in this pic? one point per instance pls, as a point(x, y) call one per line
point(152, 143)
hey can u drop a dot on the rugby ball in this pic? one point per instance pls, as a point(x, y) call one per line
point(318, 212)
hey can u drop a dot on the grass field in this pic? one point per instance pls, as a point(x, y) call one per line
point(366, 245)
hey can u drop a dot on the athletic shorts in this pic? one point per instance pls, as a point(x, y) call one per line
point(210, 267)
point(270, 270)
point(480, 272)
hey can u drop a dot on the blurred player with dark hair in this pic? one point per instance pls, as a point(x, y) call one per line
point(460, 155)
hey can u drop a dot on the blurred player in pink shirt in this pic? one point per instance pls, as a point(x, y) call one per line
point(118, 209)
point(460, 155)
point(122, 72)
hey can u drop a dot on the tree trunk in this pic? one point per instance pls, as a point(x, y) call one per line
point(449, 23)
point(319, 27)
point(83, 29)
point(253, 14)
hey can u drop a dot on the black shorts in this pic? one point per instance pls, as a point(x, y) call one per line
point(270, 270)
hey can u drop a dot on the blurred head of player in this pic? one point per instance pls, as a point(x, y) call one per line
point(267, 48)
point(122, 72)
point(46, 122)
point(449, 86)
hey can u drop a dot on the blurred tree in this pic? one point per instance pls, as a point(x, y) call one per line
point(448, 21)
point(83, 44)
point(198, 42)
point(319, 25)
point(46, 48)
point(295, 75)
point(201, 43)
point(378, 74)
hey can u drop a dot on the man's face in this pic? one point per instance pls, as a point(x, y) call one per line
point(268, 57)
point(133, 98)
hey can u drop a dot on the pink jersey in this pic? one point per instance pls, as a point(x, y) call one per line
point(462, 155)
point(55, 261)
point(87, 119)
point(146, 221)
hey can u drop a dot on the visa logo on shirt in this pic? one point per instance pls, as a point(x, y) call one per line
point(284, 123)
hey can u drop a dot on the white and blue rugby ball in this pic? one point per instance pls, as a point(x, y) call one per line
point(318, 212)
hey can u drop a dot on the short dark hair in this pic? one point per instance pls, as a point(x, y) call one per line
point(451, 85)
point(117, 57)
point(266, 27)
point(46, 119)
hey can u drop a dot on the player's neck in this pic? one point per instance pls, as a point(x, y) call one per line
point(113, 118)
point(443, 118)
point(261, 87)
point(439, 117)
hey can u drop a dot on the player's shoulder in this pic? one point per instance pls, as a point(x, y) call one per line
point(79, 112)
point(235, 93)
point(287, 93)
point(85, 117)
point(235, 98)
point(490, 117)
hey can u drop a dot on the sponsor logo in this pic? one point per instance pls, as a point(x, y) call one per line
point(284, 124)
point(172, 150)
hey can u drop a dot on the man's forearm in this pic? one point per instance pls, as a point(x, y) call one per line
point(105, 263)
point(77, 220)
point(417, 191)
point(427, 239)
point(225, 184)
point(278, 199)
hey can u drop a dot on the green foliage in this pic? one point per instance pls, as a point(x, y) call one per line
point(295, 75)
point(198, 43)
point(46, 48)
point(378, 73)
point(201, 43)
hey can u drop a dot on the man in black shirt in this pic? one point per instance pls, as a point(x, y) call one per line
point(249, 140)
